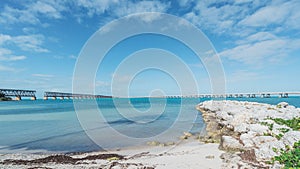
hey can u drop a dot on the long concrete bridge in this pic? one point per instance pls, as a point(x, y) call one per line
point(60, 95)
point(241, 95)
point(18, 94)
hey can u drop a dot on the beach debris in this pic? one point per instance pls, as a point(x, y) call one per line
point(170, 143)
point(61, 159)
point(153, 143)
point(210, 157)
point(186, 135)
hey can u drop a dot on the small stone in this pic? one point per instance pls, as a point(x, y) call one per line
point(170, 143)
point(153, 143)
point(187, 134)
point(210, 157)
point(162, 144)
point(184, 137)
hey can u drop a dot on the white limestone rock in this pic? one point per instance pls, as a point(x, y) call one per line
point(291, 137)
point(259, 140)
point(265, 150)
point(230, 144)
point(282, 105)
point(241, 128)
point(224, 116)
point(258, 128)
point(246, 138)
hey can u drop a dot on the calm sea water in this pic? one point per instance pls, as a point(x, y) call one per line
point(53, 125)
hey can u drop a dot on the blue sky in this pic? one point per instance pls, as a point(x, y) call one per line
point(258, 43)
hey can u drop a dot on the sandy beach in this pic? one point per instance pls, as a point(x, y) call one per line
point(187, 154)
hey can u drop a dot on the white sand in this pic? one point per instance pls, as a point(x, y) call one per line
point(189, 154)
point(186, 155)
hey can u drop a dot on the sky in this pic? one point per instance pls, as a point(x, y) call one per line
point(258, 42)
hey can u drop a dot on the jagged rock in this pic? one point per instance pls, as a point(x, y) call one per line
point(258, 128)
point(229, 143)
point(259, 140)
point(291, 137)
point(246, 138)
point(265, 150)
point(282, 105)
point(240, 119)
point(239, 125)
point(224, 115)
point(242, 128)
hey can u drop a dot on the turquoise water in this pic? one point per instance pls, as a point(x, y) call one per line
point(53, 125)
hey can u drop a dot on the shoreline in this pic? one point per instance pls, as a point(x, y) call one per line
point(238, 135)
point(189, 153)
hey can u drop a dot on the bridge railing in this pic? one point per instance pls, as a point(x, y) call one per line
point(55, 95)
point(19, 93)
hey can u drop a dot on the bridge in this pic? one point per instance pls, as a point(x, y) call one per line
point(240, 95)
point(62, 96)
point(18, 93)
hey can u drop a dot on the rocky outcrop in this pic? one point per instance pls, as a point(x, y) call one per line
point(247, 132)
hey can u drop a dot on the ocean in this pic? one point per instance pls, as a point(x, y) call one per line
point(55, 126)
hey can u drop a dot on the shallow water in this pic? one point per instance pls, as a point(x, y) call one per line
point(54, 126)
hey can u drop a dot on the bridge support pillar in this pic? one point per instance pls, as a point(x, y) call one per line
point(45, 98)
point(33, 98)
point(53, 98)
point(18, 98)
point(61, 98)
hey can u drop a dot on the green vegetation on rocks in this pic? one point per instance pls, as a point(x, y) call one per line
point(290, 157)
point(292, 123)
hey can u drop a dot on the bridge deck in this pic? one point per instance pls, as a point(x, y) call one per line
point(18, 92)
point(73, 95)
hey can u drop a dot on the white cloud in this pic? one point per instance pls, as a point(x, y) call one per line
point(259, 51)
point(277, 14)
point(216, 18)
point(12, 58)
point(32, 12)
point(47, 9)
point(4, 38)
point(43, 75)
point(128, 7)
point(6, 55)
point(257, 37)
point(96, 7)
point(30, 43)
point(7, 69)
point(11, 15)
point(25, 42)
